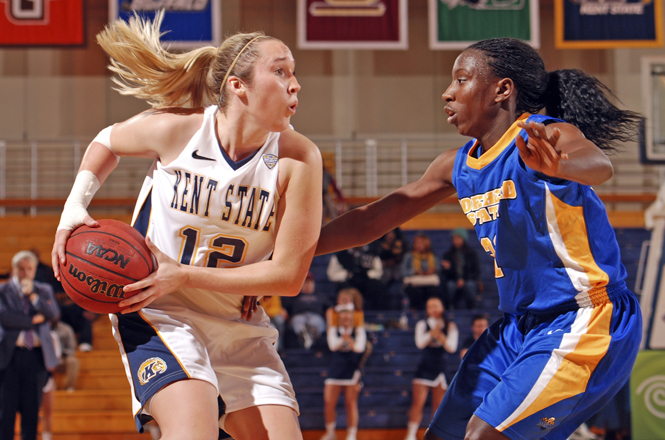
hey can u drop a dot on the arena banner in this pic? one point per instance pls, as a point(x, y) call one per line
point(42, 23)
point(455, 24)
point(187, 23)
point(352, 24)
point(647, 391)
point(590, 24)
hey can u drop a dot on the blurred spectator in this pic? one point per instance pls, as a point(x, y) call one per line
point(69, 364)
point(45, 274)
point(391, 253)
point(65, 343)
point(71, 314)
point(461, 271)
point(307, 311)
point(27, 350)
point(333, 199)
point(347, 299)
point(348, 343)
point(278, 316)
point(361, 268)
point(419, 269)
point(434, 336)
point(479, 324)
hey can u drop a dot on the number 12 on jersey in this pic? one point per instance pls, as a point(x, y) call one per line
point(221, 248)
point(488, 245)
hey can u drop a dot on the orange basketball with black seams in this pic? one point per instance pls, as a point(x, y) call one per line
point(101, 261)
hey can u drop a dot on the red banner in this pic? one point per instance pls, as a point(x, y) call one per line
point(41, 23)
point(352, 24)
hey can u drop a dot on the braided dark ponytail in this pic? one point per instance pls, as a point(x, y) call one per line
point(571, 95)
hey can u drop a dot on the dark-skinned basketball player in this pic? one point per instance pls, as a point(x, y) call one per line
point(571, 328)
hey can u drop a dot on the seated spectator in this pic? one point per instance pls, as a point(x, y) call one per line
point(391, 253)
point(347, 299)
point(434, 336)
point(65, 343)
point(306, 311)
point(461, 271)
point(479, 324)
point(419, 270)
point(278, 316)
point(348, 343)
point(361, 268)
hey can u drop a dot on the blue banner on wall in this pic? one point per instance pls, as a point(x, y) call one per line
point(186, 24)
point(593, 24)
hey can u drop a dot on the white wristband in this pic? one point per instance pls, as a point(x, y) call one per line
point(76, 206)
point(104, 138)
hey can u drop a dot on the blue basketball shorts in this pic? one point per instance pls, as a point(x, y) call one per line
point(541, 376)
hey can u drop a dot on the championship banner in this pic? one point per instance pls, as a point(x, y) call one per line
point(455, 24)
point(187, 24)
point(647, 396)
point(352, 24)
point(42, 23)
point(590, 24)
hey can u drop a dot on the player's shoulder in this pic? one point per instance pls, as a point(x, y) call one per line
point(297, 146)
point(171, 120)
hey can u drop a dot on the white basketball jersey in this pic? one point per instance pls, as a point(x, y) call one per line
point(204, 212)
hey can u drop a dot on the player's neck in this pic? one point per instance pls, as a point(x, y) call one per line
point(497, 128)
point(239, 137)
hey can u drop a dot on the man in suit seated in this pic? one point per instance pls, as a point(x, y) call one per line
point(26, 346)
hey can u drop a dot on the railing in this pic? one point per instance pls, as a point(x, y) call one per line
point(38, 175)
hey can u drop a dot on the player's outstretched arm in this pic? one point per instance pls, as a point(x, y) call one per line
point(367, 223)
point(561, 150)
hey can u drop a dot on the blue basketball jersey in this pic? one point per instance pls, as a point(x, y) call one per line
point(551, 240)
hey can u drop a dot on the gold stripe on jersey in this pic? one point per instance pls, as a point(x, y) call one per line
point(568, 232)
point(496, 149)
point(568, 371)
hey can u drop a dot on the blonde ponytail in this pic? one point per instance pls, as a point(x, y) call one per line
point(149, 72)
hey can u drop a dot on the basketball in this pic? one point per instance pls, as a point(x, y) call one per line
point(101, 261)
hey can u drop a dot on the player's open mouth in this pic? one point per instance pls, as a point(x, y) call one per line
point(293, 107)
point(452, 115)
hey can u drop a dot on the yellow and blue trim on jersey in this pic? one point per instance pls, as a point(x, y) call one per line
point(553, 245)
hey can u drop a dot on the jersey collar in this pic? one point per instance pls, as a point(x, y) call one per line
point(497, 149)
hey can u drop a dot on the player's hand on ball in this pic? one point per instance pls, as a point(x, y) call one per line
point(540, 153)
point(61, 237)
point(168, 278)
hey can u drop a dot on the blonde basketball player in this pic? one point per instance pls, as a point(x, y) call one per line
point(231, 207)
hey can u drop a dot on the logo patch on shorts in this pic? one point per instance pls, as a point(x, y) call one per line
point(150, 368)
point(546, 423)
point(270, 160)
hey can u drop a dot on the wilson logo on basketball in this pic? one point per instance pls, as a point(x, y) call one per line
point(95, 285)
point(107, 254)
point(150, 368)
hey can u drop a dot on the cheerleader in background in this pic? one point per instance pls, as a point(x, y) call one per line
point(434, 336)
point(348, 343)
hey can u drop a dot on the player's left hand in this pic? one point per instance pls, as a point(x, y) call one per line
point(168, 278)
point(250, 304)
point(540, 152)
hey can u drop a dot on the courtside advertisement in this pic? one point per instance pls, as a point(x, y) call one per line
point(647, 391)
point(590, 24)
point(455, 24)
point(352, 24)
point(186, 25)
point(41, 23)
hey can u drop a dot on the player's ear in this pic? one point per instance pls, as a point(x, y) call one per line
point(505, 88)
